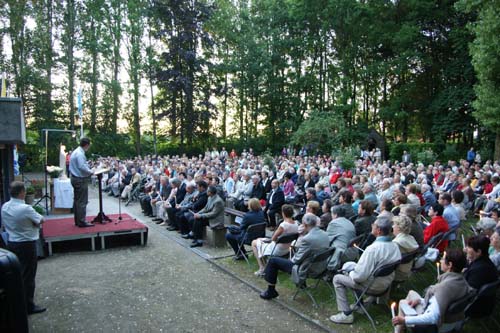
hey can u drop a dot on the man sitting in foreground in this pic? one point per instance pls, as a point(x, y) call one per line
point(314, 242)
point(381, 252)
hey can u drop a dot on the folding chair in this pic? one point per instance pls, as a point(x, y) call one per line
point(485, 290)
point(325, 255)
point(257, 231)
point(446, 235)
point(356, 240)
point(382, 271)
point(406, 259)
point(455, 308)
point(284, 239)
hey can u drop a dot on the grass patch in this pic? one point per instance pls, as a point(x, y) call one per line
point(326, 298)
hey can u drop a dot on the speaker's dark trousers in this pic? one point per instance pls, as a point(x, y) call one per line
point(81, 198)
point(26, 253)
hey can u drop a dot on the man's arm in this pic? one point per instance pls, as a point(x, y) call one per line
point(429, 317)
point(303, 251)
point(216, 210)
point(364, 268)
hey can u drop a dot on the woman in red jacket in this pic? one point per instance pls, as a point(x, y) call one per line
point(438, 224)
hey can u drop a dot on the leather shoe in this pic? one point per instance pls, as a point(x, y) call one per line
point(171, 228)
point(187, 236)
point(86, 225)
point(197, 244)
point(269, 294)
point(36, 309)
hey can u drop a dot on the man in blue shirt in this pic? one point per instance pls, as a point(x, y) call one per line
point(450, 214)
point(22, 224)
point(80, 176)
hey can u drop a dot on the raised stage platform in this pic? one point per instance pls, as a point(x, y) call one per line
point(64, 229)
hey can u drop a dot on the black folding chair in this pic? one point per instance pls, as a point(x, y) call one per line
point(406, 259)
point(446, 235)
point(325, 255)
point(382, 271)
point(284, 239)
point(486, 290)
point(257, 231)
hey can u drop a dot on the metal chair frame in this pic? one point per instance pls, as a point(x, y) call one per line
point(325, 255)
point(379, 272)
point(254, 228)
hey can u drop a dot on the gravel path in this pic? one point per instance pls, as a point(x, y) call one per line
point(161, 287)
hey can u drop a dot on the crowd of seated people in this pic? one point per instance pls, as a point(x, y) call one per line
point(395, 207)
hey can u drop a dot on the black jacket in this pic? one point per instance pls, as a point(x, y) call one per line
point(480, 272)
point(201, 201)
point(278, 200)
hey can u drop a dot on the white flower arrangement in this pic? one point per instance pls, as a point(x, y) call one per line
point(54, 171)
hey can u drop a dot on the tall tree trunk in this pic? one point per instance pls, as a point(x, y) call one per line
point(70, 63)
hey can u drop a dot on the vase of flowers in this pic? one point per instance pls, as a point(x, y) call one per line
point(30, 195)
point(38, 186)
point(54, 171)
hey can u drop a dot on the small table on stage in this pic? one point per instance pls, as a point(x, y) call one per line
point(101, 217)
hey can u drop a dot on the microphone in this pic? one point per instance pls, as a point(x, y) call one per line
point(95, 155)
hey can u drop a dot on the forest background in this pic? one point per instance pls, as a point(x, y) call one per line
point(175, 76)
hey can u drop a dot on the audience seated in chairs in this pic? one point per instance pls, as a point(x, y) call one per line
point(135, 179)
point(235, 233)
point(274, 203)
point(211, 215)
point(345, 201)
point(185, 219)
point(495, 248)
point(340, 231)
point(438, 224)
point(401, 227)
point(180, 206)
point(315, 241)
point(264, 247)
point(162, 193)
point(431, 310)
point(486, 226)
point(381, 252)
point(479, 271)
point(386, 207)
point(326, 217)
point(363, 223)
point(416, 229)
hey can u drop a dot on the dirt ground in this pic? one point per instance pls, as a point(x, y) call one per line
point(162, 287)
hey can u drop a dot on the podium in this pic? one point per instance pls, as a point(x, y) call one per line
point(101, 217)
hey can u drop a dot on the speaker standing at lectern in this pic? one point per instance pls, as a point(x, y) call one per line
point(80, 178)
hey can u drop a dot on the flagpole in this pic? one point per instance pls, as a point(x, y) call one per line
point(80, 111)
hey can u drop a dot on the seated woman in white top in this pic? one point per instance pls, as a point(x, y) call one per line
point(264, 246)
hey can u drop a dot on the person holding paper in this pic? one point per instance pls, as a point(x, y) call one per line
point(80, 176)
point(429, 312)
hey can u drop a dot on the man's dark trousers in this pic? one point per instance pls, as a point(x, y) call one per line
point(197, 226)
point(26, 253)
point(234, 240)
point(275, 265)
point(81, 198)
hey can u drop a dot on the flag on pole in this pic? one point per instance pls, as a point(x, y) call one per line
point(3, 92)
point(80, 109)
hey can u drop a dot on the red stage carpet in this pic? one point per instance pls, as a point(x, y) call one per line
point(64, 229)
